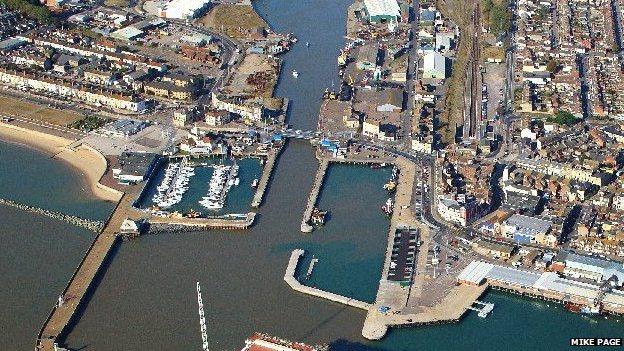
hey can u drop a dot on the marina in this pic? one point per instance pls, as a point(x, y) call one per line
point(201, 187)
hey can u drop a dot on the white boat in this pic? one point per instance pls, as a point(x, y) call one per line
point(254, 184)
point(295, 74)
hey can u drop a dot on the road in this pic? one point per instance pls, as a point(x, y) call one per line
point(412, 75)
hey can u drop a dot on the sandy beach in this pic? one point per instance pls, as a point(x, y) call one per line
point(87, 161)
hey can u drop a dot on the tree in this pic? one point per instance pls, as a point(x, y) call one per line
point(551, 66)
point(563, 118)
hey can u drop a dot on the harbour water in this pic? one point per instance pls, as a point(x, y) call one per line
point(146, 299)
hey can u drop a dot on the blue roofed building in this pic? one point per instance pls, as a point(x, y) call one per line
point(529, 230)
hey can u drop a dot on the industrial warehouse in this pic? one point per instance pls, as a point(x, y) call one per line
point(548, 286)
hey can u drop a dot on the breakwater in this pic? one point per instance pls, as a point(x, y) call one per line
point(63, 313)
point(292, 281)
point(89, 224)
point(178, 225)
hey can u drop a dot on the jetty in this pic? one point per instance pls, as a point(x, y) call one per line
point(267, 171)
point(484, 310)
point(89, 224)
point(77, 290)
point(314, 193)
point(292, 281)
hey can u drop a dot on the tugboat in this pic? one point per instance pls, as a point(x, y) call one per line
point(388, 207)
point(572, 307)
point(318, 217)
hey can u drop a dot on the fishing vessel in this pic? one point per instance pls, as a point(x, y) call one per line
point(594, 310)
point(193, 214)
point(390, 186)
point(388, 207)
point(572, 307)
point(318, 217)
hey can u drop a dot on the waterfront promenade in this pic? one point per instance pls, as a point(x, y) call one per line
point(77, 290)
point(291, 280)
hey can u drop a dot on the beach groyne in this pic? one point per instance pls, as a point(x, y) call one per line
point(291, 280)
point(89, 224)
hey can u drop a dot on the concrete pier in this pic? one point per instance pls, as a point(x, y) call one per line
point(241, 221)
point(263, 183)
point(290, 279)
point(76, 291)
point(314, 193)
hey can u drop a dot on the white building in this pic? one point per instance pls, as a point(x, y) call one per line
point(455, 212)
point(183, 9)
point(382, 11)
point(434, 65)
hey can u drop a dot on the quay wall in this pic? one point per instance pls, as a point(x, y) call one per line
point(267, 172)
point(551, 296)
point(289, 278)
